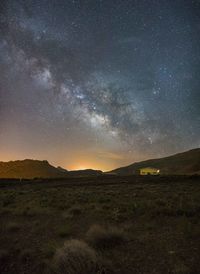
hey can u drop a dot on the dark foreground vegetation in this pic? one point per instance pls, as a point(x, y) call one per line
point(100, 225)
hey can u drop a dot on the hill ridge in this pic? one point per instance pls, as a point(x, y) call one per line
point(187, 162)
point(30, 168)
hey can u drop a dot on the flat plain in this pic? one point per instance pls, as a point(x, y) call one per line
point(133, 224)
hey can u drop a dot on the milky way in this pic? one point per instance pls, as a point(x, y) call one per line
point(100, 83)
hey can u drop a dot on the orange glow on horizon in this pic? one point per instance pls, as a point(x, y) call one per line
point(104, 161)
point(86, 166)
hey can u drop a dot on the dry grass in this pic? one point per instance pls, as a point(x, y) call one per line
point(4, 256)
point(159, 220)
point(101, 237)
point(76, 257)
point(75, 210)
point(13, 227)
point(65, 231)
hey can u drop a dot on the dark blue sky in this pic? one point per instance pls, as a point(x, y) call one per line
point(100, 83)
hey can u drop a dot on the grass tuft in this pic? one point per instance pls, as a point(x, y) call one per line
point(75, 211)
point(100, 237)
point(13, 227)
point(76, 257)
point(65, 231)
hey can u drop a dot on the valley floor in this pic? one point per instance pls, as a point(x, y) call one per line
point(133, 224)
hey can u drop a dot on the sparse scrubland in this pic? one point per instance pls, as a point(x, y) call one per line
point(101, 225)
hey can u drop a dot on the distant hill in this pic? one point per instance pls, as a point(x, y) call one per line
point(182, 163)
point(85, 172)
point(29, 169)
point(63, 170)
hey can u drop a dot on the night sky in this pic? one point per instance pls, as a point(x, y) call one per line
point(98, 84)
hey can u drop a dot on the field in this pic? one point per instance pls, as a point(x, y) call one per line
point(122, 224)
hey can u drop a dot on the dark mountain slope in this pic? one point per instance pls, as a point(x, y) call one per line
point(28, 169)
point(182, 163)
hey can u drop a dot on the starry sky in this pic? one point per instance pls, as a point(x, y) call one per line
point(97, 83)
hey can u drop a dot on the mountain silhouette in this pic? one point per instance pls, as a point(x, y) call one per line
point(29, 169)
point(182, 163)
point(179, 164)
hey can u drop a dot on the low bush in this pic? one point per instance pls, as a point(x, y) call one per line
point(26, 255)
point(100, 237)
point(4, 256)
point(75, 210)
point(76, 257)
point(65, 230)
point(13, 227)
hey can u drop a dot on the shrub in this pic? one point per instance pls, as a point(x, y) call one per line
point(76, 257)
point(4, 256)
point(100, 237)
point(13, 227)
point(26, 255)
point(65, 230)
point(48, 250)
point(160, 202)
point(8, 200)
point(74, 211)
